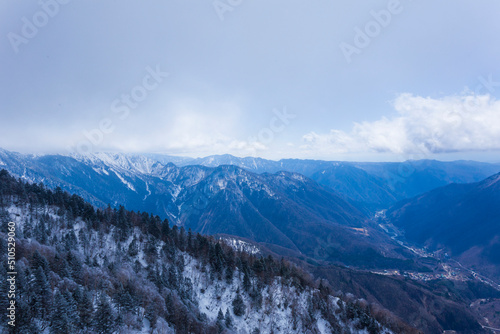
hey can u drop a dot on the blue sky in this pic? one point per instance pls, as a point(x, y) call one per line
point(337, 80)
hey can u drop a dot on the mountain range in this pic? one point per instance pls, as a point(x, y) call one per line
point(317, 213)
point(373, 186)
point(284, 210)
point(82, 270)
point(318, 209)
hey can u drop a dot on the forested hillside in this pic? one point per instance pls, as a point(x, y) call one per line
point(86, 270)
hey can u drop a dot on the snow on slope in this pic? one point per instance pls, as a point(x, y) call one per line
point(128, 163)
point(283, 310)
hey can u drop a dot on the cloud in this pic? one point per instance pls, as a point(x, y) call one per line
point(422, 126)
point(185, 126)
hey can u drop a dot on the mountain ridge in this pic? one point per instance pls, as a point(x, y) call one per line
point(461, 218)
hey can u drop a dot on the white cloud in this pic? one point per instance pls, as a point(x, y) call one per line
point(184, 126)
point(423, 126)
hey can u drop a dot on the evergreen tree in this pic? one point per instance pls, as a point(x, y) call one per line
point(42, 297)
point(4, 285)
point(104, 322)
point(70, 241)
point(133, 248)
point(151, 313)
point(40, 261)
point(190, 240)
point(256, 295)
point(72, 309)
point(61, 266)
point(246, 281)
point(24, 319)
point(165, 229)
point(28, 228)
point(75, 266)
point(122, 223)
point(169, 305)
point(228, 319)
point(173, 279)
point(229, 274)
point(129, 302)
point(60, 323)
point(238, 305)
point(85, 307)
point(220, 321)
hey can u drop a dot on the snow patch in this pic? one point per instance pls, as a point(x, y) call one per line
point(128, 184)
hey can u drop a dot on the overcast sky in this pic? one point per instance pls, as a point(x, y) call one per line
point(325, 79)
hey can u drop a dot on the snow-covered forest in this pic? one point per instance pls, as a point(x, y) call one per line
point(87, 270)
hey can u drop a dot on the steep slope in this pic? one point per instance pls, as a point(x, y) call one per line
point(373, 186)
point(286, 210)
point(81, 270)
point(376, 185)
point(356, 184)
point(414, 177)
point(461, 218)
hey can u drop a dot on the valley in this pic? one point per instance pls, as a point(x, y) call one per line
point(330, 218)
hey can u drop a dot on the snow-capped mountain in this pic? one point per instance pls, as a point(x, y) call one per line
point(374, 185)
point(111, 271)
point(122, 163)
point(286, 211)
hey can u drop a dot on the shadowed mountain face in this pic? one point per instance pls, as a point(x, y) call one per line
point(284, 209)
point(464, 219)
point(291, 215)
point(374, 186)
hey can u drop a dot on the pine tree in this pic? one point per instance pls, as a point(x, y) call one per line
point(238, 305)
point(229, 274)
point(61, 266)
point(190, 240)
point(220, 321)
point(246, 281)
point(173, 279)
point(24, 319)
point(151, 313)
point(75, 266)
point(133, 248)
point(72, 309)
point(4, 285)
point(122, 223)
point(42, 299)
point(70, 241)
point(169, 305)
point(28, 228)
point(103, 319)
point(228, 319)
point(256, 295)
point(40, 261)
point(60, 323)
point(165, 229)
point(85, 307)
